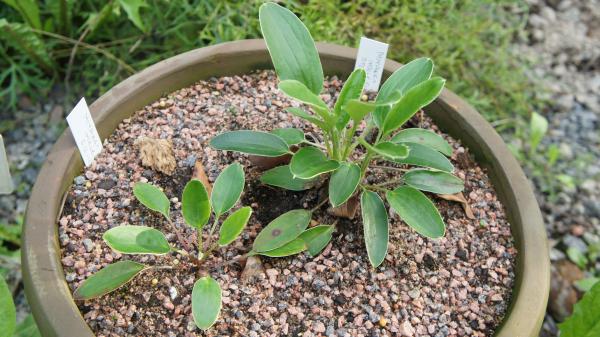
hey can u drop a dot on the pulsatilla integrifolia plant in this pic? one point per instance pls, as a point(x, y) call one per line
point(405, 92)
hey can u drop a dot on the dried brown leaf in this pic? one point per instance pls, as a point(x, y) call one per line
point(252, 269)
point(347, 209)
point(459, 197)
point(200, 174)
point(157, 154)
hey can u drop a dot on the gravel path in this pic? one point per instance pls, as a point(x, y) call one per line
point(457, 285)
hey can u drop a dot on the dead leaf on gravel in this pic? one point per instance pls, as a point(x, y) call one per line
point(200, 174)
point(346, 210)
point(459, 197)
point(157, 154)
point(252, 269)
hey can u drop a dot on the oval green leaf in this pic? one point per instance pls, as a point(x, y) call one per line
point(206, 302)
point(152, 197)
point(310, 162)
point(423, 137)
point(585, 320)
point(108, 279)
point(401, 81)
point(251, 142)
point(8, 314)
point(233, 225)
point(417, 211)
point(291, 136)
point(282, 230)
point(298, 112)
point(227, 188)
point(425, 156)
point(291, 248)
point(317, 238)
point(291, 46)
point(343, 183)
point(352, 90)
point(433, 181)
point(195, 205)
point(136, 240)
point(298, 91)
point(281, 176)
point(358, 109)
point(375, 226)
point(388, 150)
point(415, 99)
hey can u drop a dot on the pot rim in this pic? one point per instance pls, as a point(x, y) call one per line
point(47, 291)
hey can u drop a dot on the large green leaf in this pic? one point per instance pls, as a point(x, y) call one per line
point(425, 156)
point(195, 205)
point(293, 247)
point(108, 279)
point(585, 320)
point(291, 136)
point(298, 112)
point(415, 99)
point(388, 150)
point(281, 176)
point(292, 49)
point(233, 225)
point(433, 181)
point(227, 188)
point(310, 162)
point(317, 238)
point(357, 110)
point(401, 81)
point(27, 328)
point(423, 137)
point(132, 8)
point(282, 230)
point(152, 197)
point(300, 92)
point(343, 183)
point(352, 90)
point(375, 226)
point(29, 10)
point(252, 142)
point(136, 240)
point(8, 314)
point(206, 302)
point(417, 211)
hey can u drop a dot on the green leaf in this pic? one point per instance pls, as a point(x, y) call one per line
point(300, 92)
point(233, 225)
point(293, 247)
point(132, 8)
point(343, 183)
point(375, 225)
point(538, 126)
point(352, 90)
point(29, 10)
point(227, 188)
point(305, 115)
point(310, 162)
point(136, 240)
point(251, 142)
point(282, 230)
point(577, 257)
point(421, 155)
point(292, 49)
point(415, 99)
point(108, 279)
point(281, 176)
point(27, 42)
point(195, 205)
point(357, 110)
point(206, 302)
point(317, 238)
point(417, 211)
point(388, 150)
point(27, 328)
point(291, 136)
point(8, 314)
point(585, 320)
point(587, 283)
point(423, 137)
point(402, 80)
point(433, 181)
point(152, 197)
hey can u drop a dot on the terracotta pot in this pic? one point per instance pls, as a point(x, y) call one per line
point(47, 291)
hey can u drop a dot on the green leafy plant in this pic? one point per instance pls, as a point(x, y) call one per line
point(405, 92)
point(585, 320)
point(8, 316)
point(197, 207)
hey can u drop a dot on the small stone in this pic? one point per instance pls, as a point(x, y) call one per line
point(154, 281)
point(79, 180)
point(382, 322)
point(88, 244)
point(173, 292)
point(406, 329)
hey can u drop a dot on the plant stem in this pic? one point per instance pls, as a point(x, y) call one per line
point(210, 235)
point(390, 182)
point(179, 237)
point(320, 146)
point(319, 205)
point(389, 168)
point(374, 187)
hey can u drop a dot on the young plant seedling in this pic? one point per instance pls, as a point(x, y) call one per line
point(405, 92)
point(196, 208)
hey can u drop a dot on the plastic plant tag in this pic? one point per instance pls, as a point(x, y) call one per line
point(371, 57)
point(84, 131)
point(6, 184)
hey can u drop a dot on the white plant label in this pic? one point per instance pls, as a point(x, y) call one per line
point(371, 57)
point(84, 131)
point(6, 183)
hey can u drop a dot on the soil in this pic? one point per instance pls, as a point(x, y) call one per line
point(459, 285)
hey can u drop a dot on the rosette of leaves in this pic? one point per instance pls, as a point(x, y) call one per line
point(403, 94)
point(197, 206)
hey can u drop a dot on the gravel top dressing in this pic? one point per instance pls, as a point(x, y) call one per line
point(459, 285)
